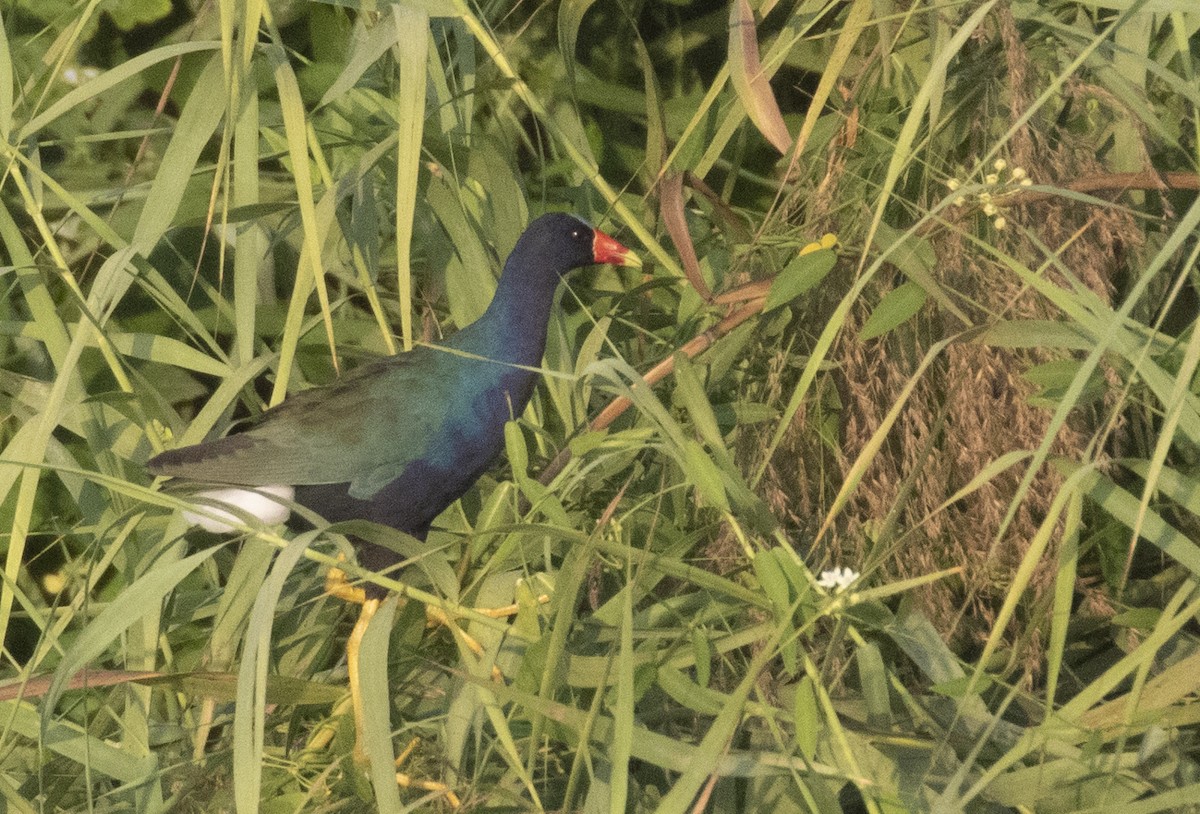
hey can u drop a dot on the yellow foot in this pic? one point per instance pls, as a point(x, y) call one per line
point(437, 616)
point(429, 785)
point(339, 586)
point(509, 610)
point(408, 782)
point(336, 585)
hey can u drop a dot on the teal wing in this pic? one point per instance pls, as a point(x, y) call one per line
point(363, 429)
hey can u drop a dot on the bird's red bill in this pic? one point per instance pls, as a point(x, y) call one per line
point(607, 250)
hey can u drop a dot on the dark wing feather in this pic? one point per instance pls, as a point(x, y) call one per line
point(363, 429)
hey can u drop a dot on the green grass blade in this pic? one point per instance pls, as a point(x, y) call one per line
point(411, 48)
point(312, 269)
point(6, 84)
point(623, 710)
point(250, 709)
point(377, 707)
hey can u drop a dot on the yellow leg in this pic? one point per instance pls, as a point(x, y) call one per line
point(336, 585)
point(328, 729)
point(369, 607)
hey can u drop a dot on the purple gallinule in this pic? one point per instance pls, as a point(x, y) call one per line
point(398, 440)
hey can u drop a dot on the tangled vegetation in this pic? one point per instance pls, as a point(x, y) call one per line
point(874, 490)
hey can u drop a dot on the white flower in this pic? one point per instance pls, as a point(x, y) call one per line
point(992, 178)
point(1018, 173)
point(837, 579)
point(77, 76)
point(1000, 222)
point(953, 184)
point(999, 164)
point(989, 209)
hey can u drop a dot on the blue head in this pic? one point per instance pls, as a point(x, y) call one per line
point(556, 243)
point(514, 326)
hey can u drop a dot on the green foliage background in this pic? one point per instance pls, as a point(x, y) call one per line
point(983, 399)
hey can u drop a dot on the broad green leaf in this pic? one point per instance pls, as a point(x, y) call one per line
point(367, 45)
point(167, 351)
point(918, 638)
point(245, 578)
point(917, 259)
point(220, 401)
point(1182, 488)
point(1126, 509)
point(702, 651)
point(504, 211)
point(709, 752)
point(705, 475)
point(774, 584)
point(807, 717)
point(109, 79)
point(251, 261)
point(1142, 618)
point(656, 126)
point(624, 717)
point(1068, 784)
point(195, 128)
point(802, 273)
point(1056, 378)
point(313, 227)
point(224, 687)
point(75, 743)
point(656, 749)
point(689, 391)
point(873, 680)
point(542, 498)
point(1034, 333)
point(589, 351)
point(688, 694)
point(897, 306)
point(470, 278)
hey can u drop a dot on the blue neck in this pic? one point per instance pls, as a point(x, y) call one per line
point(513, 328)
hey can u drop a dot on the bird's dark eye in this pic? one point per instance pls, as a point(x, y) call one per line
point(575, 234)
